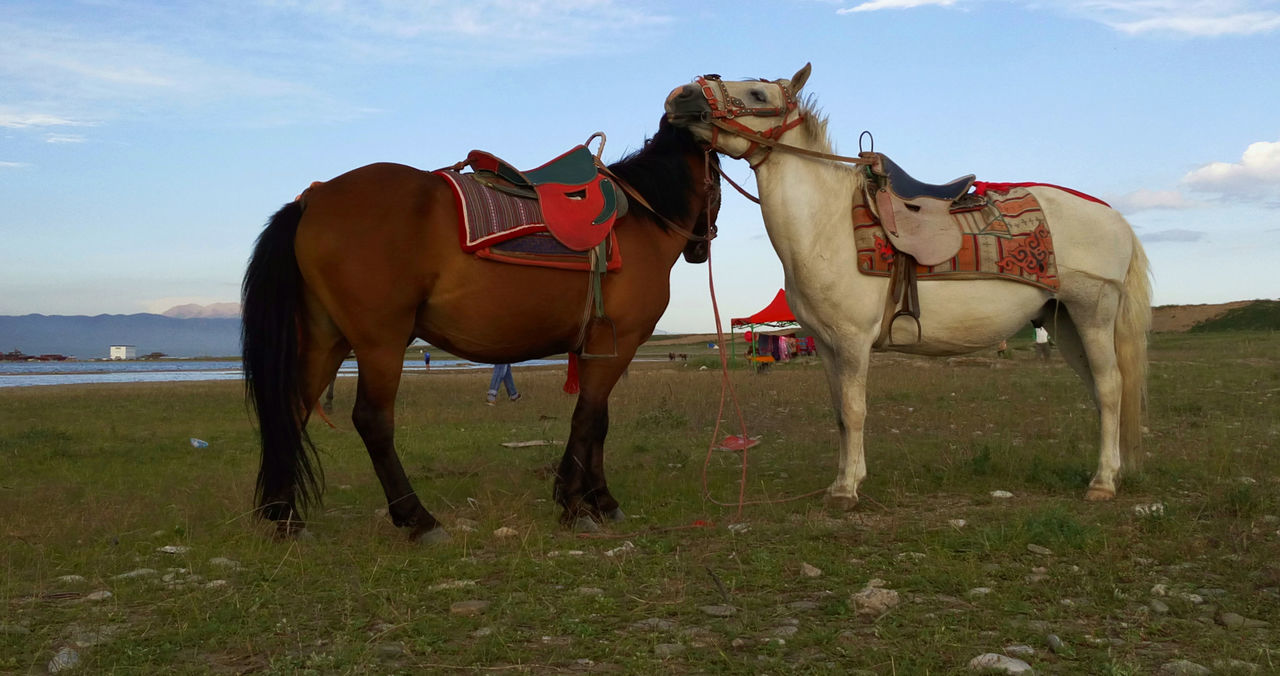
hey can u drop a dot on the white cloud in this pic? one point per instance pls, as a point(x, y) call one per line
point(20, 119)
point(1143, 200)
point(13, 165)
point(63, 138)
point(1257, 174)
point(875, 5)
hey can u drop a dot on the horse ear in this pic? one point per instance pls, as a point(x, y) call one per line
point(801, 76)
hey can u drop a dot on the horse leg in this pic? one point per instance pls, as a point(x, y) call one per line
point(1095, 328)
point(374, 418)
point(580, 485)
point(1071, 346)
point(847, 379)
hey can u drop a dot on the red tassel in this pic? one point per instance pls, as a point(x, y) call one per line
point(571, 379)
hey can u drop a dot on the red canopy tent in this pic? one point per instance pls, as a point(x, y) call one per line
point(777, 314)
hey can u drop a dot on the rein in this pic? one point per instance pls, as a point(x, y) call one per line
point(635, 194)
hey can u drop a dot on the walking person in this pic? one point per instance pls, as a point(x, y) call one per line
point(501, 375)
point(426, 359)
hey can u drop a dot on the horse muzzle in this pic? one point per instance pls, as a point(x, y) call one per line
point(687, 105)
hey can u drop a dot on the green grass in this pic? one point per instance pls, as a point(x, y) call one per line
point(96, 478)
point(1260, 315)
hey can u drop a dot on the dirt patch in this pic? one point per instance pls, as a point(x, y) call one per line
point(1178, 318)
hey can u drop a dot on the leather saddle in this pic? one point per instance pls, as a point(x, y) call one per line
point(579, 204)
point(917, 215)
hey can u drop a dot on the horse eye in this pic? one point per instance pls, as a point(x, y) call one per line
point(759, 96)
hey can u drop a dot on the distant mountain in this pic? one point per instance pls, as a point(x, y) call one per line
point(213, 310)
point(91, 337)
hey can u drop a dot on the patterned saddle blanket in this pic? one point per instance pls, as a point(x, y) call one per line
point(1004, 235)
point(498, 225)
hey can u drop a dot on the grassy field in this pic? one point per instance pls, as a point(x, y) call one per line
point(96, 480)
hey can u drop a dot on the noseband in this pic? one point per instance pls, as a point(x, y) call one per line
point(725, 108)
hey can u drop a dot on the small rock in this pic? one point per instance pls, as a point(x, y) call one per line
point(653, 624)
point(138, 572)
point(1020, 650)
point(1153, 509)
point(505, 532)
point(998, 662)
point(224, 562)
point(468, 608)
point(451, 584)
point(739, 528)
point(1231, 620)
point(64, 660)
point(1193, 599)
point(482, 632)
point(622, 549)
point(100, 595)
point(1158, 607)
point(571, 552)
point(807, 570)
point(665, 650)
point(1000, 495)
point(1037, 549)
point(1056, 646)
point(72, 579)
point(215, 584)
point(785, 631)
point(978, 591)
point(957, 523)
point(173, 549)
point(719, 611)
point(874, 601)
point(1159, 590)
point(1183, 668)
point(738, 642)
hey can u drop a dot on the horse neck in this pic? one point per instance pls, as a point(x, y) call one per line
point(806, 202)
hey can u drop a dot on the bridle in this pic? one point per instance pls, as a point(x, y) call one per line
point(725, 108)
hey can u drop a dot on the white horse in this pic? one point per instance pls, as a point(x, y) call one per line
point(1099, 316)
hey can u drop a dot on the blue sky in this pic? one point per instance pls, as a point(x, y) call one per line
point(144, 144)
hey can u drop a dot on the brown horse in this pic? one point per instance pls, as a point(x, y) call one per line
point(371, 260)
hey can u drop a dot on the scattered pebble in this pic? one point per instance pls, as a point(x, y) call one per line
point(873, 601)
point(64, 660)
point(173, 549)
point(739, 528)
point(957, 523)
point(1020, 650)
point(451, 584)
point(1159, 590)
point(1037, 549)
point(505, 532)
point(1158, 607)
point(998, 662)
point(224, 562)
point(72, 579)
point(1056, 646)
point(100, 595)
point(482, 632)
point(785, 631)
point(1183, 668)
point(978, 591)
point(468, 608)
point(571, 552)
point(653, 624)
point(215, 584)
point(1153, 509)
point(138, 572)
point(1000, 495)
point(1193, 599)
point(622, 549)
point(719, 610)
point(807, 570)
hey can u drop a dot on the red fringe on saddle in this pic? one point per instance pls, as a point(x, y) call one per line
point(982, 187)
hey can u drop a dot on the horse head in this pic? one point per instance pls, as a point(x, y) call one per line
point(735, 116)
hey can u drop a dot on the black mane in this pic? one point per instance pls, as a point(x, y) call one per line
point(659, 171)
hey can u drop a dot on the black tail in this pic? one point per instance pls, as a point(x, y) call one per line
point(289, 479)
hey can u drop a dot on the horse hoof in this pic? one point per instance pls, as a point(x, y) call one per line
point(615, 515)
point(585, 524)
point(843, 503)
point(435, 536)
point(1099, 494)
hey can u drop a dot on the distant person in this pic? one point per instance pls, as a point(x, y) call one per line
point(502, 374)
point(1042, 341)
point(1002, 350)
point(328, 396)
point(426, 359)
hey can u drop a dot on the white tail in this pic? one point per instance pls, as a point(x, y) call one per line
point(1132, 324)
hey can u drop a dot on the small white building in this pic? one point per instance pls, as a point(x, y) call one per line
point(124, 352)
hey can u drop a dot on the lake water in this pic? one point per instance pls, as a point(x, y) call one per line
point(26, 374)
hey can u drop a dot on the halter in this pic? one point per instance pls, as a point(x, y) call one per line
point(726, 107)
